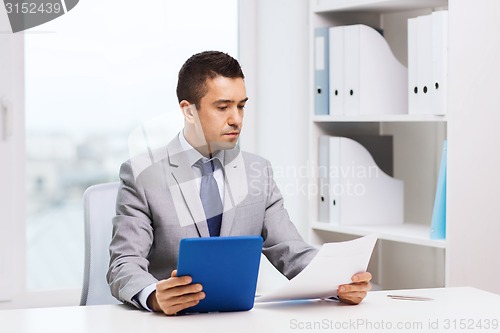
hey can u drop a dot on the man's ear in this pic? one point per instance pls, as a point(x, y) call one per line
point(187, 110)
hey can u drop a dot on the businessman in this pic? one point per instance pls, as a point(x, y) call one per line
point(201, 185)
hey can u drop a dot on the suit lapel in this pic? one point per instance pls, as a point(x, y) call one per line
point(235, 187)
point(186, 195)
point(184, 190)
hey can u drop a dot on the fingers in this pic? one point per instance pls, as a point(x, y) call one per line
point(352, 298)
point(173, 310)
point(362, 277)
point(177, 293)
point(173, 282)
point(354, 287)
point(355, 292)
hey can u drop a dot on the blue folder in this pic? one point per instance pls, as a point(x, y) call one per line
point(321, 71)
point(438, 224)
point(227, 268)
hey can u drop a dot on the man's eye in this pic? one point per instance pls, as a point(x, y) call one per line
point(241, 107)
point(222, 108)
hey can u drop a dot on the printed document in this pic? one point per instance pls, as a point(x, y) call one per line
point(334, 265)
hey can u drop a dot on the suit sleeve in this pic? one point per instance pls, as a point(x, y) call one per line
point(283, 245)
point(131, 241)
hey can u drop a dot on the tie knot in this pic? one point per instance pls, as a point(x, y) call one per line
point(207, 167)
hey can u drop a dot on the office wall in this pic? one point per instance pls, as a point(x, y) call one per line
point(275, 52)
point(473, 158)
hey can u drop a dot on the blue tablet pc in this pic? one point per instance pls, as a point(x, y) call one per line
point(227, 267)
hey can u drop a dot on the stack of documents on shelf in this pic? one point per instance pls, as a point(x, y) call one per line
point(334, 265)
point(427, 63)
point(353, 189)
point(365, 77)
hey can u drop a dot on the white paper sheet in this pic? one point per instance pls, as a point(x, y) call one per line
point(334, 265)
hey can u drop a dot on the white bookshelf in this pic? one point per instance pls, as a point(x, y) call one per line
point(417, 152)
point(410, 233)
point(408, 258)
point(377, 6)
point(398, 118)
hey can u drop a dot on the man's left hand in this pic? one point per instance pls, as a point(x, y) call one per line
point(355, 292)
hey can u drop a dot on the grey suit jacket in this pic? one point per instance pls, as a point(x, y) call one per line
point(159, 204)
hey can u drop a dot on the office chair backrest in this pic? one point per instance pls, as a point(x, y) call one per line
point(99, 209)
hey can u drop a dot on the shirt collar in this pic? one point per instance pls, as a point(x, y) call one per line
point(193, 155)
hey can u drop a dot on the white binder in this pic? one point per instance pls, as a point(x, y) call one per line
point(328, 155)
point(439, 62)
point(352, 74)
point(336, 54)
point(424, 66)
point(373, 81)
point(413, 91)
point(324, 183)
point(321, 72)
point(359, 192)
point(383, 79)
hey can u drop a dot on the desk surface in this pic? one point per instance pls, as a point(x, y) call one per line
point(452, 310)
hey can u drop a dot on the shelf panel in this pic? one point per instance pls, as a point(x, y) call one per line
point(379, 118)
point(377, 6)
point(410, 233)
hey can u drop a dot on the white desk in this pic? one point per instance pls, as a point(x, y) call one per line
point(451, 310)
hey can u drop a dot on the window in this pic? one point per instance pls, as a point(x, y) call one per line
point(92, 76)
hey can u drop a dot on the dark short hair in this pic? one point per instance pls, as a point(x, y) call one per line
point(191, 85)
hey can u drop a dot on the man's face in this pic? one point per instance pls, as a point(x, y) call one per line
point(221, 112)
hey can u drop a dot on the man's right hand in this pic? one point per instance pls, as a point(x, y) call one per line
point(175, 294)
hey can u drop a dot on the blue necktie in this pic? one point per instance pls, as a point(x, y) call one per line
point(210, 197)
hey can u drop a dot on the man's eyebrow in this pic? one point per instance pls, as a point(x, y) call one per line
point(221, 101)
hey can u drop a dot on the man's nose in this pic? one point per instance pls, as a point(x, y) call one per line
point(235, 117)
